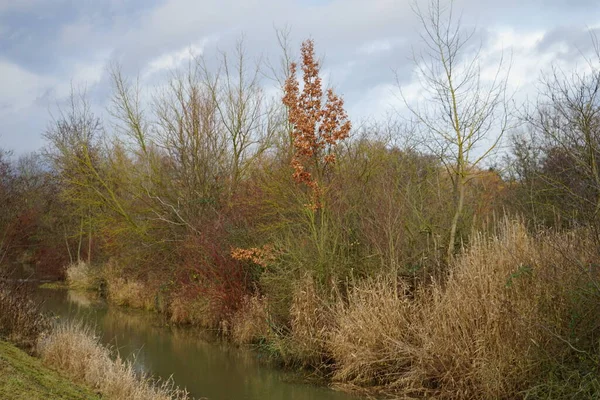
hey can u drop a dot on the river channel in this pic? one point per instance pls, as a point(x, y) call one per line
point(208, 368)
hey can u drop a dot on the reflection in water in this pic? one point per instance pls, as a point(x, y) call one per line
point(82, 299)
point(207, 369)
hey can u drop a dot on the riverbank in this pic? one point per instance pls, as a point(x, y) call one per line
point(75, 349)
point(25, 377)
point(506, 322)
point(34, 345)
point(197, 359)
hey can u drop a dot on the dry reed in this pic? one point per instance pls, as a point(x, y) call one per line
point(75, 350)
point(490, 330)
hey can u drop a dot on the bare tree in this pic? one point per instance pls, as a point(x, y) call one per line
point(127, 111)
point(204, 129)
point(278, 72)
point(8, 199)
point(461, 114)
point(241, 107)
point(188, 130)
point(567, 120)
point(74, 150)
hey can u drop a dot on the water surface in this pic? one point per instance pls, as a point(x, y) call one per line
point(207, 368)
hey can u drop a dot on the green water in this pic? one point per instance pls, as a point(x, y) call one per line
point(207, 368)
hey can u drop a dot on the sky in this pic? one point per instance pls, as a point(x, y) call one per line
point(46, 46)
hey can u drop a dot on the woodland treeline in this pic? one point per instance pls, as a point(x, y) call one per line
point(453, 253)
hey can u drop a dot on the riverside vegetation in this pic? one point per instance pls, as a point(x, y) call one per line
point(68, 362)
point(396, 259)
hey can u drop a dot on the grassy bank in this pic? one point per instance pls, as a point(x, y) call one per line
point(25, 377)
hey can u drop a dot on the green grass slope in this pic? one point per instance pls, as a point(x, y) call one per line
point(24, 377)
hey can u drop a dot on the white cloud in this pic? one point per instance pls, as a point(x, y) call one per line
point(379, 46)
point(517, 51)
point(20, 88)
point(528, 61)
point(174, 59)
point(363, 42)
point(21, 119)
point(375, 46)
point(88, 73)
point(11, 5)
point(76, 33)
point(376, 102)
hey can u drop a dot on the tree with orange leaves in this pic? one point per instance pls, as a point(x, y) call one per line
point(318, 122)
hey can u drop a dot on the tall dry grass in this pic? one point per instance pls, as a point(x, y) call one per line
point(124, 290)
point(130, 293)
point(75, 350)
point(194, 311)
point(82, 276)
point(378, 338)
point(513, 307)
point(303, 341)
point(310, 323)
point(251, 323)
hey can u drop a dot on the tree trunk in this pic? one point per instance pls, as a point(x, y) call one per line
point(80, 240)
point(457, 215)
point(67, 244)
point(89, 253)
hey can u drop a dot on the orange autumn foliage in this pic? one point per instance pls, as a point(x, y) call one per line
point(318, 123)
point(262, 256)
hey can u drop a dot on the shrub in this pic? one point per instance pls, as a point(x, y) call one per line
point(211, 285)
point(82, 276)
point(21, 319)
point(127, 291)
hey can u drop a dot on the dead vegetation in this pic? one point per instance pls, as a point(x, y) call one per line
point(75, 350)
point(513, 306)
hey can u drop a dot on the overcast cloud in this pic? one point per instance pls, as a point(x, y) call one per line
point(47, 44)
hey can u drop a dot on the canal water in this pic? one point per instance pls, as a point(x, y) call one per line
point(207, 368)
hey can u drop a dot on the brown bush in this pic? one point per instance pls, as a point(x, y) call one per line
point(210, 280)
point(21, 319)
